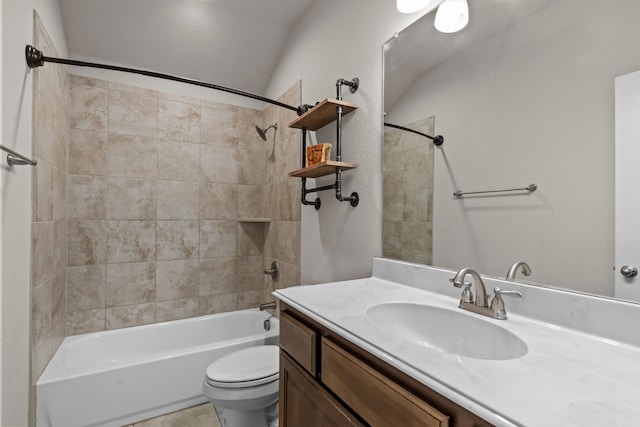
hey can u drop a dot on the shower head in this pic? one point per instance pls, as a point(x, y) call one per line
point(263, 132)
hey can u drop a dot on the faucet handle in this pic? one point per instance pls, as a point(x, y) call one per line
point(499, 292)
point(497, 303)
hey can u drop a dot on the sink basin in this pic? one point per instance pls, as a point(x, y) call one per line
point(451, 331)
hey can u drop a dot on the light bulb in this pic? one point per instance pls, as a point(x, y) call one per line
point(452, 16)
point(410, 6)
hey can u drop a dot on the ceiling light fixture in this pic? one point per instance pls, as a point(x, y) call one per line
point(452, 16)
point(411, 6)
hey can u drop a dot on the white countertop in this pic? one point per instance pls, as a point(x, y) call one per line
point(567, 377)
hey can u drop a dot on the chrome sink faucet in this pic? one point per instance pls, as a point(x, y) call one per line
point(481, 291)
point(479, 305)
point(526, 270)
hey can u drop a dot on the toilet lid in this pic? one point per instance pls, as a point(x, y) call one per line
point(246, 367)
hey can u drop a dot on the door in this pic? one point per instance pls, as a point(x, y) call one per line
point(627, 187)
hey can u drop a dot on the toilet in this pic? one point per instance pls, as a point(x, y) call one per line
point(243, 387)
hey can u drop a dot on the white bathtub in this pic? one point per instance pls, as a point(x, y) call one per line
point(122, 376)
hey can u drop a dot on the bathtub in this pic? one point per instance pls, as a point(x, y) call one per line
point(127, 375)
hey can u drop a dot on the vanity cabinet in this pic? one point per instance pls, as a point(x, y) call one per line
point(325, 380)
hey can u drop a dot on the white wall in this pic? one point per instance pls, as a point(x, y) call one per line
point(534, 105)
point(17, 92)
point(343, 39)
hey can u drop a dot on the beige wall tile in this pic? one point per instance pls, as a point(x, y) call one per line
point(392, 236)
point(131, 241)
point(133, 114)
point(130, 283)
point(87, 152)
point(220, 106)
point(251, 167)
point(218, 275)
point(219, 164)
point(250, 270)
point(178, 161)
point(174, 310)
point(82, 322)
point(248, 138)
point(42, 191)
point(87, 242)
point(133, 90)
point(86, 196)
point(210, 304)
point(177, 239)
point(416, 205)
point(59, 308)
point(416, 237)
point(42, 241)
point(177, 279)
point(283, 241)
point(218, 238)
point(89, 103)
point(250, 201)
point(41, 324)
point(59, 246)
point(414, 176)
point(178, 200)
point(180, 98)
point(44, 135)
point(59, 179)
point(131, 315)
point(86, 287)
point(218, 201)
point(248, 299)
point(291, 155)
point(132, 156)
point(220, 127)
point(130, 198)
point(61, 143)
point(271, 204)
point(289, 275)
point(178, 121)
point(289, 199)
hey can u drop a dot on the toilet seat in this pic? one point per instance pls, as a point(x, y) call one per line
point(245, 368)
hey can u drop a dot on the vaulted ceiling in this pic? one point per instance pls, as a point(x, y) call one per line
point(234, 43)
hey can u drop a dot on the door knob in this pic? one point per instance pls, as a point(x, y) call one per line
point(629, 271)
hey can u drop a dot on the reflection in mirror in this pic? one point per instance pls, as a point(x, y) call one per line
point(524, 94)
point(408, 193)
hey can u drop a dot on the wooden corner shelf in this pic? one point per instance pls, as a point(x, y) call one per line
point(321, 169)
point(322, 114)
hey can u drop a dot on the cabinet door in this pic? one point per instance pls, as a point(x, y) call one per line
point(379, 400)
point(304, 403)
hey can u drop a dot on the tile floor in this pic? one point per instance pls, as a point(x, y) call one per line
point(198, 416)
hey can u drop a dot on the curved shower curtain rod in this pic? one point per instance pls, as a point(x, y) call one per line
point(35, 58)
point(438, 140)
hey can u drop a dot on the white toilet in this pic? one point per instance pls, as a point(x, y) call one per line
point(243, 387)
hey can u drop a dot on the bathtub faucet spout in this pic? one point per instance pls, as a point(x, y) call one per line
point(267, 305)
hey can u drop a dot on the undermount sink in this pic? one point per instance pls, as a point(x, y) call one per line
point(451, 331)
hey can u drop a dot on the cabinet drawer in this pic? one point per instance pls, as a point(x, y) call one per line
point(376, 398)
point(299, 341)
point(303, 401)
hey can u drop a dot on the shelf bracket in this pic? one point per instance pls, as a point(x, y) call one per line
point(303, 198)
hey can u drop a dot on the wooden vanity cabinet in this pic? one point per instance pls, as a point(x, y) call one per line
point(325, 380)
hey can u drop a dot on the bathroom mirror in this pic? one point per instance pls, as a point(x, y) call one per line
point(524, 94)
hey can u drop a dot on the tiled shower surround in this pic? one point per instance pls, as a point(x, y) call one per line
point(158, 188)
point(139, 201)
point(407, 214)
